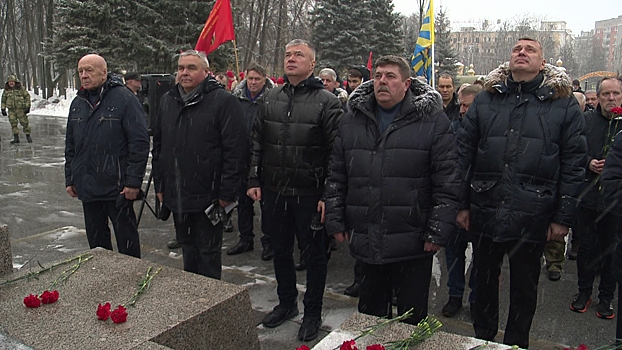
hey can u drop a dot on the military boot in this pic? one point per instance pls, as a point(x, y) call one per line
point(15, 138)
point(28, 138)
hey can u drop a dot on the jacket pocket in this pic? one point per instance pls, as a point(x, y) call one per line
point(536, 198)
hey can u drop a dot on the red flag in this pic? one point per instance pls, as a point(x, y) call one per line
point(218, 28)
point(369, 64)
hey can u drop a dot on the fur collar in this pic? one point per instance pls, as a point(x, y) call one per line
point(420, 98)
point(240, 89)
point(555, 81)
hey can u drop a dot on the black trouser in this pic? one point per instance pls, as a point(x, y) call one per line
point(410, 280)
point(524, 274)
point(201, 243)
point(597, 240)
point(282, 217)
point(245, 219)
point(121, 213)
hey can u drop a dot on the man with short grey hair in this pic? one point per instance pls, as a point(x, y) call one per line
point(329, 79)
point(199, 153)
point(292, 140)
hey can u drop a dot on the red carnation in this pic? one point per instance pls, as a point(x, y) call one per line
point(616, 111)
point(103, 311)
point(49, 297)
point(32, 301)
point(583, 346)
point(303, 347)
point(119, 315)
point(348, 345)
point(375, 347)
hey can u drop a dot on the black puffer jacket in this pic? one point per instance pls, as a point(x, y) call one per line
point(523, 155)
point(599, 131)
point(396, 190)
point(106, 145)
point(293, 137)
point(200, 148)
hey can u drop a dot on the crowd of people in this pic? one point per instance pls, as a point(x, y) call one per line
point(397, 168)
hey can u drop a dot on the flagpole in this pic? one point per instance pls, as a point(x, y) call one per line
point(433, 21)
point(235, 51)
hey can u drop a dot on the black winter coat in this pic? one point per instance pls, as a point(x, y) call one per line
point(106, 145)
point(293, 137)
point(200, 148)
point(250, 108)
point(523, 155)
point(599, 131)
point(394, 191)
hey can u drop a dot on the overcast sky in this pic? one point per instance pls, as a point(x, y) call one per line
point(578, 14)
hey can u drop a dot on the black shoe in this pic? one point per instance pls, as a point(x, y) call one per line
point(555, 275)
point(301, 265)
point(268, 253)
point(580, 303)
point(15, 139)
point(353, 290)
point(452, 307)
point(173, 244)
point(28, 138)
point(279, 315)
point(604, 309)
point(241, 247)
point(309, 328)
point(228, 226)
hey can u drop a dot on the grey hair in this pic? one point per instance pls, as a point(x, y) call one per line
point(306, 43)
point(328, 71)
point(199, 54)
point(600, 82)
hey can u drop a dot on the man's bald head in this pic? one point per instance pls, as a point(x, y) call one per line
point(93, 71)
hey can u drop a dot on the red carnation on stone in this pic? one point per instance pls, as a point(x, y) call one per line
point(348, 345)
point(616, 111)
point(375, 347)
point(32, 301)
point(119, 315)
point(49, 297)
point(103, 311)
point(303, 347)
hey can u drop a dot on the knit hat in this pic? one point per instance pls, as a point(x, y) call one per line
point(132, 76)
point(273, 79)
point(280, 80)
point(12, 78)
point(230, 74)
point(241, 75)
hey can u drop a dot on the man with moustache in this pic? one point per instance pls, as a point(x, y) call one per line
point(106, 151)
point(522, 154)
point(292, 140)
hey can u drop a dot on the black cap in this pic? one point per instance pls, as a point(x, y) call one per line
point(132, 76)
point(363, 70)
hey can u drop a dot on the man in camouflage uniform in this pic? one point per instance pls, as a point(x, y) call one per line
point(17, 100)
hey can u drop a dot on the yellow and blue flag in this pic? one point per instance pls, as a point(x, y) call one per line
point(421, 60)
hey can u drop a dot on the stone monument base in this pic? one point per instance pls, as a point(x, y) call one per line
point(181, 310)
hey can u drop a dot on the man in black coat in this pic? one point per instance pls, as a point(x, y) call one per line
point(292, 140)
point(597, 224)
point(106, 152)
point(394, 187)
point(250, 92)
point(522, 156)
point(200, 148)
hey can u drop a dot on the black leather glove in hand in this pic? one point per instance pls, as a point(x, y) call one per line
point(4, 112)
point(27, 110)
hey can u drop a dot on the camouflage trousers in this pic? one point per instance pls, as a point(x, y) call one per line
point(21, 117)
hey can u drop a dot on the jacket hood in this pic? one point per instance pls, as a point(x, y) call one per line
point(240, 89)
point(422, 98)
point(556, 83)
point(311, 82)
point(112, 81)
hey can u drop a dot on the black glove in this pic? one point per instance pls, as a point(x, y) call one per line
point(4, 112)
point(27, 110)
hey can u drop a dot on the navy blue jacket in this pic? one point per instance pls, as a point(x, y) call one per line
point(107, 144)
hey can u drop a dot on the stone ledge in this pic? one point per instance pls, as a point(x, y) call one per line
point(180, 311)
